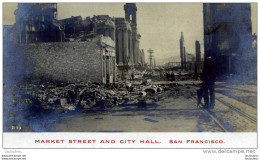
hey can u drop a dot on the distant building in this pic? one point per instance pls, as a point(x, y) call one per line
point(190, 57)
point(228, 37)
point(190, 61)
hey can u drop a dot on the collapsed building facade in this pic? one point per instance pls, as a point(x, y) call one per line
point(228, 37)
point(118, 39)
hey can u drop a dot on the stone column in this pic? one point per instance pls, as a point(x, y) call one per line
point(104, 67)
point(120, 47)
point(137, 52)
point(134, 50)
point(134, 36)
point(107, 66)
point(125, 48)
point(130, 47)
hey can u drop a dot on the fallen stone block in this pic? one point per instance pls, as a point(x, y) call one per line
point(150, 90)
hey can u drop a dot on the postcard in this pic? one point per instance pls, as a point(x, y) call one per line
point(130, 75)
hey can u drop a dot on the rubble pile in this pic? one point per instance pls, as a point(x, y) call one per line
point(41, 102)
point(63, 97)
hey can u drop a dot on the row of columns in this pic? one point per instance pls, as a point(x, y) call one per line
point(124, 44)
point(127, 42)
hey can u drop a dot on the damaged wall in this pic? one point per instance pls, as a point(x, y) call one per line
point(66, 61)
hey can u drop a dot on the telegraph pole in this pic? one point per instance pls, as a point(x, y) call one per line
point(150, 57)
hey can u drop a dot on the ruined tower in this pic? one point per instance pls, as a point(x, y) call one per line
point(130, 16)
point(130, 13)
point(182, 51)
point(123, 42)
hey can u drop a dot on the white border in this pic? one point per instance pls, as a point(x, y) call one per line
point(126, 153)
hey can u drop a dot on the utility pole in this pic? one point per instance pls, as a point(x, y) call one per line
point(150, 57)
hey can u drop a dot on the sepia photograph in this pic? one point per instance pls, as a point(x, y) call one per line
point(130, 68)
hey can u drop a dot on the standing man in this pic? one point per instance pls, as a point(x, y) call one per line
point(209, 78)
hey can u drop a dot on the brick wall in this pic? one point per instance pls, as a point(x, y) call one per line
point(66, 61)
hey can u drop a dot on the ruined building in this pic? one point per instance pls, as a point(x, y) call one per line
point(80, 49)
point(190, 57)
point(37, 23)
point(228, 37)
point(34, 22)
point(182, 52)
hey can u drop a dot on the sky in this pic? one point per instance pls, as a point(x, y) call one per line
point(160, 24)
